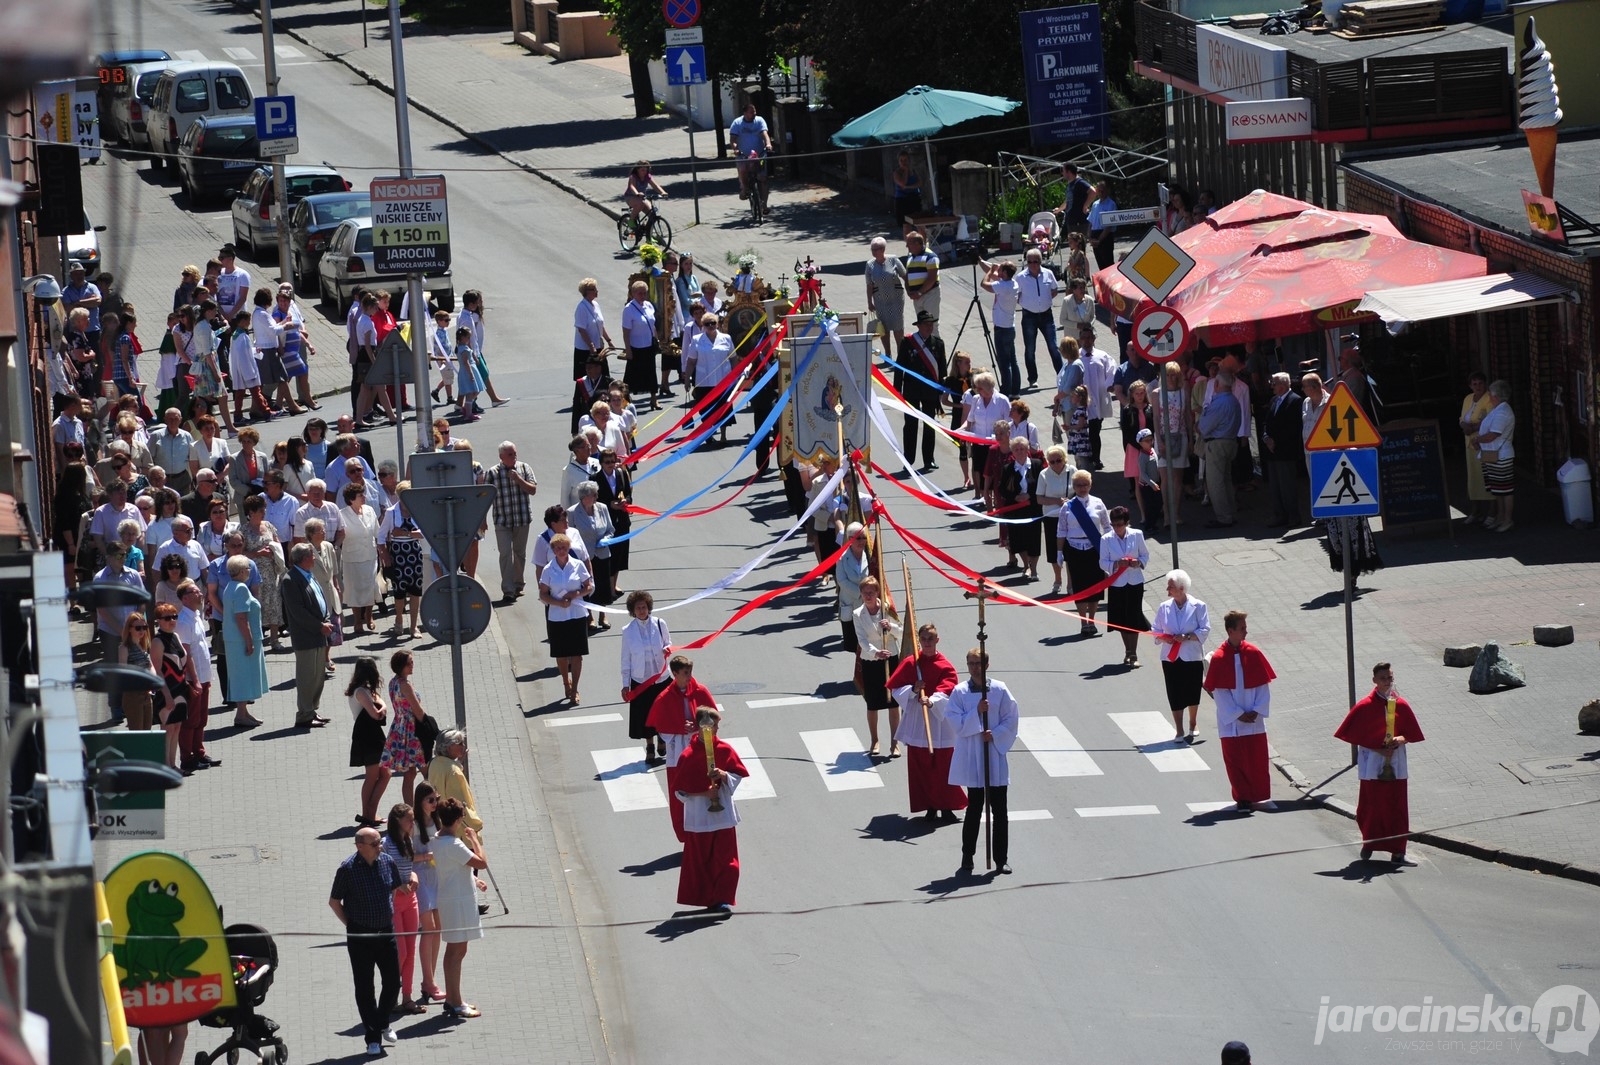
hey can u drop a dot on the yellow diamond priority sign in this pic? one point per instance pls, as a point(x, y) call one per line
point(1343, 424)
point(1157, 266)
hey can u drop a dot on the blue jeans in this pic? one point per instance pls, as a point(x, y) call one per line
point(1034, 323)
point(1005, 357)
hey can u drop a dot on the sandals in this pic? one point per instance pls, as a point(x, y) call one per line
point(433, 994)
point(408, 1006)
point(462, 1012)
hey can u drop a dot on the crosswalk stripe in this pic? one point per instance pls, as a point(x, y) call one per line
point(287, 51)
point(757, 785)
point(1055, 749)
point(1148, 730)
point(628, 782)
point(239, 54)
point(1116, 811)
point(587, 719)
point(786, 700)
point(1029, 815)
point(1209, 807)
point(192, 55)
point(840, 758)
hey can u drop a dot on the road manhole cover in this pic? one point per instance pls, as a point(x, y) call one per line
point(228, 855)
point(1552, 767)
point(1248, 558)
point(737, 688)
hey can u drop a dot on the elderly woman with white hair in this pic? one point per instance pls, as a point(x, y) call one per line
point(1080, 524)
point(1494, 443)
point(613, 434)
point(592, 522)
point(1181, 625)
point(886, 294)
point(563, 584)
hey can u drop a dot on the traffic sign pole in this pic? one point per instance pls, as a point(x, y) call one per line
point(285, 270)
point(415, 301)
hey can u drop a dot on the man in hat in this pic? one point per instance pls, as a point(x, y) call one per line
point(1382, 726)
point(79, 291)
point(922, 367)
point(1239, 678)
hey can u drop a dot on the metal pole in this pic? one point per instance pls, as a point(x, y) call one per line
point(21, 388)
point(284, 270)
point(415, 301)
point(362, 4)
point(455, 622)
point(1349, 622)
point(694, 171)
point(1169, 500)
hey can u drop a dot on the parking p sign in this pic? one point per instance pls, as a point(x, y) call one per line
point(275, 125)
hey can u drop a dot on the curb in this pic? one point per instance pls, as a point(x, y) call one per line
point(1466, 847)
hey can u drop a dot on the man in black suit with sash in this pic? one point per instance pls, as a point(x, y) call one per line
point(921, 353)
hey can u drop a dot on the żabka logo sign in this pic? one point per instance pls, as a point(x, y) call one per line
point(1565, 1020)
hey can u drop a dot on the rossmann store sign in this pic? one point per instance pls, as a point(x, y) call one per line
point(1250, 121)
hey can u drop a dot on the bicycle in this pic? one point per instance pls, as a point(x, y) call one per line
point(757, 183)
point(635, 228)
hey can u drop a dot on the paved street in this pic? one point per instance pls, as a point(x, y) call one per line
point(1141, 925)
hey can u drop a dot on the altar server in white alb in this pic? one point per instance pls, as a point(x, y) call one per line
point(1239, 678)
point(983, 713)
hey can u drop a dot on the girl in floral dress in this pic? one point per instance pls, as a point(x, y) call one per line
point(402, 752)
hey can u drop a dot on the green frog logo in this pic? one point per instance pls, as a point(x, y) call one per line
point(154, 912)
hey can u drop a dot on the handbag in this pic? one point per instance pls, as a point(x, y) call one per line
point(427, 733)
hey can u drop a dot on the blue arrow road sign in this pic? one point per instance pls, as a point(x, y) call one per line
point(1344, 484)
point(686, 65)
point(275, 117)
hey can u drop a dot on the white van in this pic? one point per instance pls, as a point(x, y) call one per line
point(185, 92)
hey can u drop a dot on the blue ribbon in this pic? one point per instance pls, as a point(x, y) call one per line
point(704, 431)
point(912, 373)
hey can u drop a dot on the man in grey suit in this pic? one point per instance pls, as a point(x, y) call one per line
point(305, 611)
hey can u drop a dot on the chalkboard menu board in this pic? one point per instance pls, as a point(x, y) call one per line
point(1411, 475)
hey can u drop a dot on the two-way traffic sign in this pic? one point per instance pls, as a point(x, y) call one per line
point(686, 65)
point(1343, 424)
point(1344, 484)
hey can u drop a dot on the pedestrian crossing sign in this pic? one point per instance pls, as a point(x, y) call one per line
point(1344, 484)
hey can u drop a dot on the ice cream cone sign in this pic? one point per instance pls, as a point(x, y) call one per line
point(1539, 105)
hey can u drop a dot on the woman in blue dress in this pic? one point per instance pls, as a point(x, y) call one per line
point(241, 638)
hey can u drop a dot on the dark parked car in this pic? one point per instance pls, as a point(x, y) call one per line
point(312, 222)
point(215, 154)
point(255, 214)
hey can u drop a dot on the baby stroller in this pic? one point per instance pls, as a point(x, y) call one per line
point(255, 961)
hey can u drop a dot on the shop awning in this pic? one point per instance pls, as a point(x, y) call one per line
point(1399, 307)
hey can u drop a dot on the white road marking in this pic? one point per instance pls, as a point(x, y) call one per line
point(1209, 807)
point(841, 759)
point(287, 51)
point(1029, 815)
point(1148, 729)
point(239, 54)
point(787, 700)
point(629, 784)
point(192, 55)
point(1117, 811)
point(587, 719)
point(757, 785)
point(1055, 749)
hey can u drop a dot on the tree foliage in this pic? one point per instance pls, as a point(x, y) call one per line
point(870, 54)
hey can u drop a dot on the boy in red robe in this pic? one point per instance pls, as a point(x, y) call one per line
point(672, 716)
point(1382, 726)
point(1237, 677)
point(709, 876)
point(927, 675)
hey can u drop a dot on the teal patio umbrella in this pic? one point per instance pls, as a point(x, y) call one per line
point(918, 114)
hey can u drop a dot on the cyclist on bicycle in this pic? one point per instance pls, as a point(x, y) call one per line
point(751, 143)
point(640, 186)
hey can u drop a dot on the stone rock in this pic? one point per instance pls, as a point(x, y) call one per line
point(1462, 657)
point(1589, 718)
point(1494, 671)
point(1552, 635)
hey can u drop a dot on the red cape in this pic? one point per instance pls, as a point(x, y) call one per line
point(668, 713)
point(692, 774)
point(938, 675)
point(1220, 673)
point(1364, 724)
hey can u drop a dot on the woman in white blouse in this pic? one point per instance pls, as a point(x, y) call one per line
point(589, 336)
point(984, 407)
point(878, 637)
point(358, 558)
point(1124, 546)
point(563, 583)
point(1055, 485)
point(1493, 441)
point(1180, 628)
point(646, 647)
point(1083, 520)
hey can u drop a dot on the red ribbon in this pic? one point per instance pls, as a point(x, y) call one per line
point(762, 350)
point(766, 597)
point(647, 512)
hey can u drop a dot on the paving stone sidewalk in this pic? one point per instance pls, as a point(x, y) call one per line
point(267, 828)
